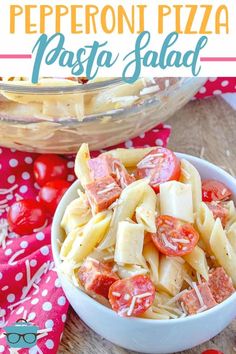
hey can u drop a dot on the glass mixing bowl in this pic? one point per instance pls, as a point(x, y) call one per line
point(57, 115)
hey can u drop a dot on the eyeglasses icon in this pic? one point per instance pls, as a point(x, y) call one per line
point(21, 334)
point(14, 338)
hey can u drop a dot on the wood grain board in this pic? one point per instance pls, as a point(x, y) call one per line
point(206, 128)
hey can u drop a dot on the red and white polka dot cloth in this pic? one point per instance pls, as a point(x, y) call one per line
point(29, 287)
point(217, 86)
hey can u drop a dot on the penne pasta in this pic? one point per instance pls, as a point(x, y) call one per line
point(130, 157)
point(76, 214)
point(231, 235)
point(223, 250)
point(89, 238)
point(190, 175)
point(127, 204)
point(146, 210)
point(81, 165)
point(205, 223)
point(151, 256)
point(197, 260)
point(170, 275)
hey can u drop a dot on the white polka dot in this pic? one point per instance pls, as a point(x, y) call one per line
point(217, 92)
point(1, 275)
point(224, 83)
point(11, 179)
point(8, 252)
point(28, 160)
point(13, 150)
point(202, 90)
point(20, 310)
point(0, 150)
point(10, 197)
point(61, 300)
point(33, 350)
point(5, 288)
point(2, 348)
point(70, 178)
point(35, 301)
point(48, 279)
point(24, 244)
point(70, 164)
point(128, 144)
point(23, 189)
point(11, 298)
point(18, 276)
point(40, 236)
point(49, 324)
point(31, 316)
point(57, 283)
point(142, 135)
point(212, 79)
point(13, 162)
point(36, 185)
point(47, 306)
point(44, 250)
point(49, 344)
point(159, 142)
point(25, 176)
point(33, 262)
point(63, 317)
point(0, 166)
point(44, 292)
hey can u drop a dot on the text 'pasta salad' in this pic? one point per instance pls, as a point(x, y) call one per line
point(147, 237)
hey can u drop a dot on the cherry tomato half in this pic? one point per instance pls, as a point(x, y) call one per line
point(213, 190)
point(51, 193)
point(160, 165)
point(212, 351)
point(174, 237)
point(49, 168)
point(219, 211)
point(132, 296)
point(26, 216)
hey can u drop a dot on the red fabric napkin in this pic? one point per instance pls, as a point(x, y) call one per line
point(217, 86)
point(29, 286)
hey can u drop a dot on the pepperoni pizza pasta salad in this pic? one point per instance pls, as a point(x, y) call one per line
point(147, 237)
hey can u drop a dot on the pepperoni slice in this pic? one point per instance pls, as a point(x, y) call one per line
point(160, 165)
point(213, 190)
point(132, 296)
point(174, 237)
point(219, 211)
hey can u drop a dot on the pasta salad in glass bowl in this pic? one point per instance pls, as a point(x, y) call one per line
point(151, 235)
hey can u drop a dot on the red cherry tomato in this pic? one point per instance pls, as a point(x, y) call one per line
point(212, 351)
point(132, 296)
point(26, 216)
point(160, 165)
point(174, 237)
point(49, 168)
point(213, 190)
point(51, 193)
point(219, 211)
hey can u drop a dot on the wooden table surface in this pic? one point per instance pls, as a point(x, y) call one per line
point(205, 127)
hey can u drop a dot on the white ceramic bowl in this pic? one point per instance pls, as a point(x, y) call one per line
point(143, 335)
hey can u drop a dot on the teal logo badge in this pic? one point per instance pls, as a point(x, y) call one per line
point(21, 334)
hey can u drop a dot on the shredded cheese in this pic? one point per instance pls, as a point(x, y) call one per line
point(108, 188)
point(41, 227)
point(7, 191)
point(180, 240)
point(11, 307)
point(167, 243)
point(176, 297)
point(116, 294)
point(195, 287)
point(203, 308)
point(12, 260)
